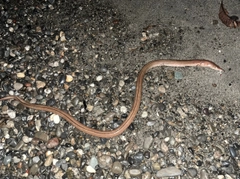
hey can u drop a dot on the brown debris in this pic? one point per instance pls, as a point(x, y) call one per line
point(229, 21)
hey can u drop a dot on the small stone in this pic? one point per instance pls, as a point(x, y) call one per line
point(47, 91)
point(164, 147)
point(38, 124)
point(55, 118)
point(9, 21)
point(156, 166)
point(170, 74)
point(62, 36)
point(204, 174)
point(10, 124)
point(99, 78)
point(86, 146)
point(90, 169)
point(202, 138)
point(20, 75)
point(144, 114)
point(178, 75)
point(147, 142)
point(89, 107)
point(55, 161)
point(27, 48)
point(117, 168)
point(69, 78)
point(228, 176)
point(38, 29)
point(4, 109)
point(19, 145)
point(146, 175)
point(138, 158)
point(34, 169)
point(135, 172)
point(192, 172)
point(72, 155)
point(123, 109)
point(36, 159)
point(11, 29)
point(161, 107)
point(180, 111)
point(17, 86)
point(169, 172)
point(115, 102)
point(144, 36)
point(146, 154)
point(40, 84)
point(48, 153)
point(26, 139)
point(48, 161)
point(42, 136)
point(11, 113)
point(16, 159)
point(54, 142)
point(7, 159)
point(151, 123)
point(105, 161)
point(161, 89)
point(97, 111)
point(233, 151)
point(93, 162)
point(121, 83)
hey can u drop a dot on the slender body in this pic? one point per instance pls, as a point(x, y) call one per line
point(136, 103)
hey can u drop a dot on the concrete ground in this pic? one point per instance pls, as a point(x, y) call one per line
point(205, 36)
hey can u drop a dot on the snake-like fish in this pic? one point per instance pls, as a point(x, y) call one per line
point(136, 103)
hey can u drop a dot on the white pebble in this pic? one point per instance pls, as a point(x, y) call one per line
point(40, 84)
point(17, 86)
point(20, 75)
point(30, 117)
point(27, 48)
point(24, 157)
point(62, 36)
point(11, 29)
point(55, 118)
point(99, 78)
point(89, 107)
point(151, 123)
point(69, 78)
point(92, 85)
point(26, 139)
point(36, 159)
point(48, 153)
point(47, 91)
point(144, 114)
point(162, 89)
point(135, 172)
point(90, 169)
point(121, 83)
point(48, 161)
point(9, 21)
point(54, 161)
point(123, 109)
point(11, 114)
point(7, 136)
